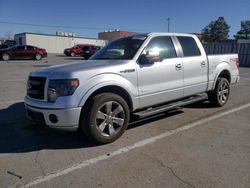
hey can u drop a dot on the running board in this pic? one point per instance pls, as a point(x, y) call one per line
point(170, 106)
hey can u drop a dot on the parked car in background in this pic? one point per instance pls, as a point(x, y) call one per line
point(23, 52)
point(5, 46)
point(88, 51)
point(75, 50)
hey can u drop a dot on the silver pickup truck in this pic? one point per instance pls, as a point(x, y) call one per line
point(140, 75)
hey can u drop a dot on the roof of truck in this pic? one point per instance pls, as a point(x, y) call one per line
point(169, 34)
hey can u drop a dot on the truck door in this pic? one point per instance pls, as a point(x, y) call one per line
point(160, 81)
point(195, 66)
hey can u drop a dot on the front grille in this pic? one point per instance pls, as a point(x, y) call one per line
point(36, 87)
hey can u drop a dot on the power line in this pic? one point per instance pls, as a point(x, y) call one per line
point(52, 26)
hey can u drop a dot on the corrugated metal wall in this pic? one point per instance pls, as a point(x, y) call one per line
point(242, 49)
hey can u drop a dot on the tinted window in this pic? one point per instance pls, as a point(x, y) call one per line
point(20, 48)
point(189, 46)
point(30, 48)
point(163, 45)
point(3, 46)
point(85, 48)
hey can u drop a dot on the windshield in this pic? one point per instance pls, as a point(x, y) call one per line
point(124, 48)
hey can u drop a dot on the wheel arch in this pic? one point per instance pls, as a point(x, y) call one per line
point(225, 74)
point(110, 89)
point(222, 71)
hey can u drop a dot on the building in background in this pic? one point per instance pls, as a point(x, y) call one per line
point(54, 43)
point(112, 35)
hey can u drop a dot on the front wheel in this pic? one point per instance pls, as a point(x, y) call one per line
point(219, 96)
point(107, 118)
point(38, 56)
point(6, 57)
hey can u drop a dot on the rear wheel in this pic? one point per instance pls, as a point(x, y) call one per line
point(5, 57)
point(219, 96)
point(72, 54)
point(106, 119)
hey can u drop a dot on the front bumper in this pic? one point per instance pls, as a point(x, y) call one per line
point(235, 79)
point(65, 119)
point(67, 53)
point(45, 55)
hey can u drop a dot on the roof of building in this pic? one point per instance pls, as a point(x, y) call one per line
point(55, 35)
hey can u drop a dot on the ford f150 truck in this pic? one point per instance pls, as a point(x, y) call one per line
point(140, 75)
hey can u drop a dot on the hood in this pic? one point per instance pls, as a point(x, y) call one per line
point(68, 70)
point(4, 49)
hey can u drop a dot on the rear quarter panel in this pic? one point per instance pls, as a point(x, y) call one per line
point(219, 63)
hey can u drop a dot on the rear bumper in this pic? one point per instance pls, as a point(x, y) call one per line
point(64, 119)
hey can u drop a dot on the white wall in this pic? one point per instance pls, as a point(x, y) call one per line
point(55, 44)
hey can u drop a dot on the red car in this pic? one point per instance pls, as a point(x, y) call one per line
point(23, 52)
point(75, 50)
point(88, 51)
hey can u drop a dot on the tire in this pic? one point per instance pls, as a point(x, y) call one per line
point(6, 57)
point(219, 96)
point(38, 56)
point(72, 54)
point(105, 118)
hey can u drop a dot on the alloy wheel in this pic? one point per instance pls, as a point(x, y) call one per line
point(110, 118)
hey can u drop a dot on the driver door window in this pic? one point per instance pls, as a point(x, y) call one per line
point(163, 46)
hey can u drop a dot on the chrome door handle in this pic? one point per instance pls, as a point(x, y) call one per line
point(178, 66)
point(203, 63)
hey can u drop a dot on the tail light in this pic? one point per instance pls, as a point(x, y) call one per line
point(237, 62)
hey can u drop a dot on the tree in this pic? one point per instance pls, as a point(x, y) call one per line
point(8, 35)
point(216, 30)
point(244, 32)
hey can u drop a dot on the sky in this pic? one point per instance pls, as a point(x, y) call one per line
point(87, 18)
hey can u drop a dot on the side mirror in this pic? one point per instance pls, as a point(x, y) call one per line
point(149, 58)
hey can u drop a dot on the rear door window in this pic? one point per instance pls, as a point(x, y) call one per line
point(20, 48)
point(30, 48)
point(189, 46)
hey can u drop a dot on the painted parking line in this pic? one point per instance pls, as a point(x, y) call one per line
point(126, 149)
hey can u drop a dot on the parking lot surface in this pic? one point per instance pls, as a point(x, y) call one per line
point(196, 146)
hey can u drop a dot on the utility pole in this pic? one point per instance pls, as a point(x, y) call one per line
point(168, 24)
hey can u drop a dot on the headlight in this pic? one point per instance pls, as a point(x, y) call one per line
point(61, 87)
